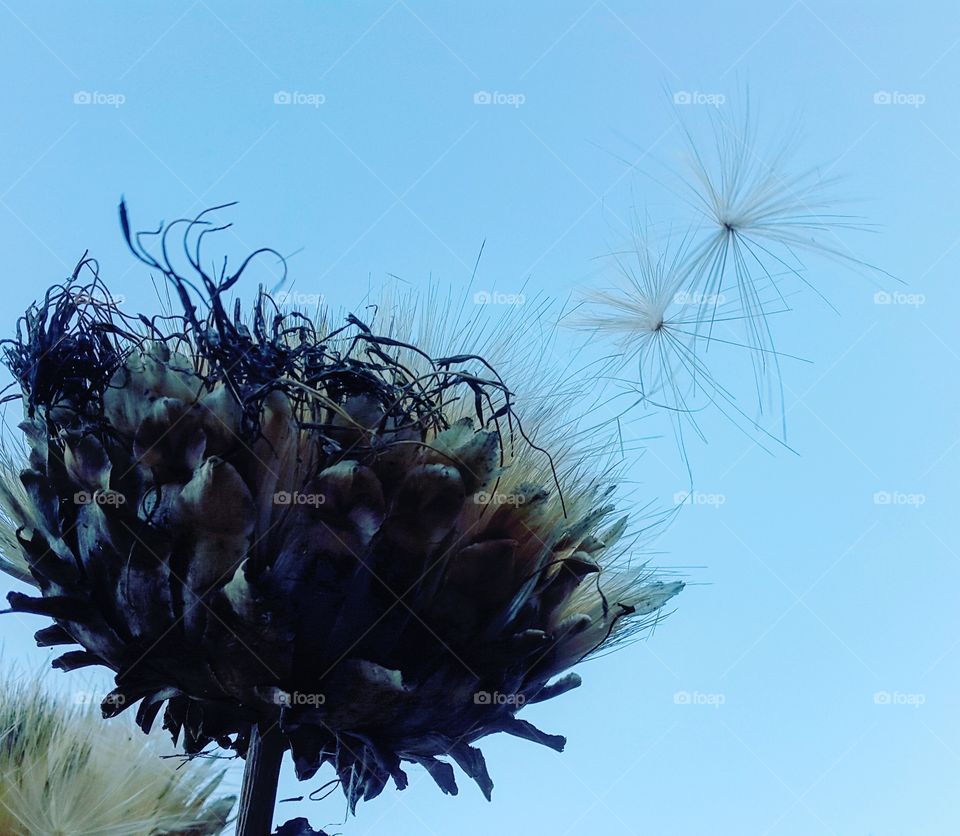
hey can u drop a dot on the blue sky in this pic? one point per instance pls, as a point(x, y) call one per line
point(819, 638)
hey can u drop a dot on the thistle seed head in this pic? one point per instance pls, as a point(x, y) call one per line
point(317, 524)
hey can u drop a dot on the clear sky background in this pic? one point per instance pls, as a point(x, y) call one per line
point(820, 637)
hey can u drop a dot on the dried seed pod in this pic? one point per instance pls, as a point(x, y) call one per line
point(325, 528)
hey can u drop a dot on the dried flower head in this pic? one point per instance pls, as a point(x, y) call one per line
point(316, 524)
point(64, 771)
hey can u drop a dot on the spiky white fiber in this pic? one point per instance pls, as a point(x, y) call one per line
point(66, 772)
point(686, 312)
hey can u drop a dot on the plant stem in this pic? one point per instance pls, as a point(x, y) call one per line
point(260, 777)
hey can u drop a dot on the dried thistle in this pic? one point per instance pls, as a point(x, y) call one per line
point(286, 532)
point(65, 771)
